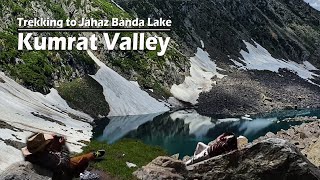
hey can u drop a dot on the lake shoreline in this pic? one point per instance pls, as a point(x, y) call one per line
point(180, 131)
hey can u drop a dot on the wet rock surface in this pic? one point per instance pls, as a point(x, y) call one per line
point(268, 159)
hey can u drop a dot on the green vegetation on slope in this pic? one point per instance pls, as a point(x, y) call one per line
point(151, 71)
point(85, 94)
point(121, 152)
point(32, 67)
point(110, 10)
point(37, 69)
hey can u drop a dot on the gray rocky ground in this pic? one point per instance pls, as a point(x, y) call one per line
point(269, 159)
point(244, 92)
point(25, 171)
point(306, 137)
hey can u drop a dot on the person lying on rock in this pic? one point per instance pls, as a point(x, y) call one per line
point(226, 142)
point(51, 152)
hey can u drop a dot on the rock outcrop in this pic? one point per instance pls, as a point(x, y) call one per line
point(269, 159)
point(313, 153)
point(305, 136)
point(163, 168)
point(286, 29)
point(25, 171)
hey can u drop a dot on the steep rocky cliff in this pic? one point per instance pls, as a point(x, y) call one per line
point(228, 42)
point(288, 29)
point(257, 44)
point(41, 70)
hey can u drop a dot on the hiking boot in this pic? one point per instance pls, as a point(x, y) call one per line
point(99, 153)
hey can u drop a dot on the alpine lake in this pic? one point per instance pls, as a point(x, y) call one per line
point(180, 131)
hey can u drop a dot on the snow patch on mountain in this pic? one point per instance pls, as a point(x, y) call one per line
point(9, 155)
point(135, 83)
point(314, 3)
point(202, 70)
point(124, 98)
point(258, 58)
point(202, 44)
point(23, 112)
point(117, 5)
point(309, 66)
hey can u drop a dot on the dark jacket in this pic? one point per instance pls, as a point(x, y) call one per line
point(56, 161)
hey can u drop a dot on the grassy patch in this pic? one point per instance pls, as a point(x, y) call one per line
point(110, 9)
point(85, 94)
point(56, 9)
point(35, 71)
point(7, 44)
point(115, 163)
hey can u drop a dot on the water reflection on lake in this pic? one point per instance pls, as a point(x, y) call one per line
point(180, 131)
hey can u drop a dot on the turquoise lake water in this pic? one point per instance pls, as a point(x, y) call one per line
point(179, 132)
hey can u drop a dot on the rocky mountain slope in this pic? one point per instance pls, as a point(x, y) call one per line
point(42, 70)
point(288, 29)
point(226, 42)
point(278, 38)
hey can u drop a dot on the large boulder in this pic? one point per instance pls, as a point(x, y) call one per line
point(306, 137)
point(269, 159)
point(313, 153)
point(25, 171)
point(163, 168)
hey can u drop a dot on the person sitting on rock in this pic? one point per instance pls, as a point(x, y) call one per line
point(51, 152)
point(226, 142)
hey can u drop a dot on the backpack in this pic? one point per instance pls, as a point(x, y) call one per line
point(226, 142)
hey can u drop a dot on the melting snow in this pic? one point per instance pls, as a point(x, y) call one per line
point(202, 44)
point(124, 98)
point(309, 66)
point(258, 58)
point(17, 108)
point(135, 83)
point(9, 155)
point(202, 70)
point(117, 5)
point(314, 3)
